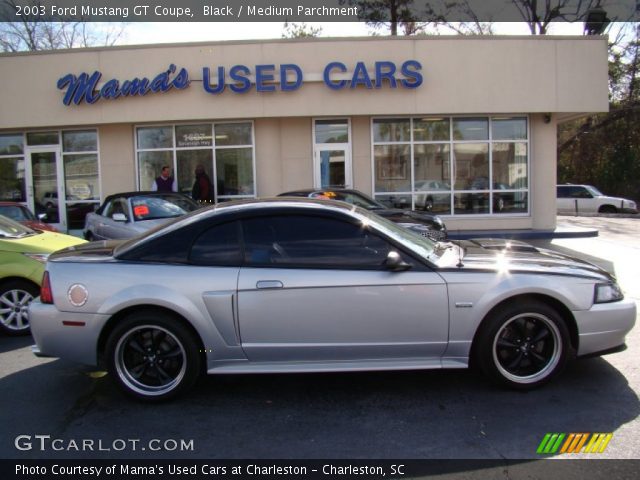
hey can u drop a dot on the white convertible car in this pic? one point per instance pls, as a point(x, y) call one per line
point(315, 286)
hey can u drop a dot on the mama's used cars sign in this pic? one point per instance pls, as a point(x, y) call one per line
point(90, 88)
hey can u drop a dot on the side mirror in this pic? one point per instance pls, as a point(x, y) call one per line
point(119, 217)
point(395, 263)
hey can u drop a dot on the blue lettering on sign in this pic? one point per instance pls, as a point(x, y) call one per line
point(85, 87)
point(241, 79)
point(332, 84)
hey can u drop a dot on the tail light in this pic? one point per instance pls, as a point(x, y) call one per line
point(46, 296)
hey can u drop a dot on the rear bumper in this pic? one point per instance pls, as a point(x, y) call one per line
point(72, 336)
point(604, 326)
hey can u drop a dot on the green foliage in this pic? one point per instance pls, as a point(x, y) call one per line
point(604, 150)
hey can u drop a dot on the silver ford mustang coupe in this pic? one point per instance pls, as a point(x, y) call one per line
point(300, 285)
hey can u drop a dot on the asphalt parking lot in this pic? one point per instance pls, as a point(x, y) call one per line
point(425, 415)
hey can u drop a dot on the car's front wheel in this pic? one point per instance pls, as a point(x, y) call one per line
point(153, 356)
point(523, 345)
point(15, 297)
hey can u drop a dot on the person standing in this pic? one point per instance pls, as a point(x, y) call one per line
point(165, 182)
point(202, 187)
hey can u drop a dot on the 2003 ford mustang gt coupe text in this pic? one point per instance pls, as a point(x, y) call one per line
point(316, 286)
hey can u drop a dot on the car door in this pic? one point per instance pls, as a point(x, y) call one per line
point(314, 288)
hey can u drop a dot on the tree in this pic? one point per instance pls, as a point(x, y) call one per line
point(300, 30)
point(32, 34)
point(604, 149)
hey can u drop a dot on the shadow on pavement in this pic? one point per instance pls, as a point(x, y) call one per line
point(8, 344)
point(412, 415)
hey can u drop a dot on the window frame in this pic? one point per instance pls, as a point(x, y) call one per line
point(417, 265)
point(451, 142)
point(213, 147)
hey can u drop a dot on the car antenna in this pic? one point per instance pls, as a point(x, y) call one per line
point(460, 264)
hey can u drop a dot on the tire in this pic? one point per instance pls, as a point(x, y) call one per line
point(506, 349)
point(15, 297)
point(153, 356)
point(428, 204)
point(607, 209)
point(88, 236)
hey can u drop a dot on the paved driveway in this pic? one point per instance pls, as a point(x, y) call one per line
point(434, 414)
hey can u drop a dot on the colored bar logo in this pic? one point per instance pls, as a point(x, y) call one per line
point(553, 443)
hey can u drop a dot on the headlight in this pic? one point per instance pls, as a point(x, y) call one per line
point(607, 292)
point(39, 257)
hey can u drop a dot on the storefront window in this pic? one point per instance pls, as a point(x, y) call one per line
point(332, 131)
point(150, 165)
point(12, 179)
point(11, 144)
point(187, 161)
point(42, 138)
point(80, 141)
point(452, 166)
point(225, 151)
point(193, 136)
point(393, 168)
point(12, 175)
point(234, 169)
point(155, 137)
point(81, 175)
point(392, 130)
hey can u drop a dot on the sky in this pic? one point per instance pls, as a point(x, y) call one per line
point(166, 32)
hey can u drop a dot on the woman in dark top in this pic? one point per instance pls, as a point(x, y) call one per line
point(202, 187)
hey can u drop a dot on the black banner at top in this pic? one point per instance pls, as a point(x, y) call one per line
point(317, 10)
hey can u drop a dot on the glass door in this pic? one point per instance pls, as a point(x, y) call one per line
point(332, 167)
point(331, 153)
point(44, 190)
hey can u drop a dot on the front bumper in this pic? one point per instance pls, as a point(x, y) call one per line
point(604, 326)
point(76, 339)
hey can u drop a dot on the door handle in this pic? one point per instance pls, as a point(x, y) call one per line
point(267, 284)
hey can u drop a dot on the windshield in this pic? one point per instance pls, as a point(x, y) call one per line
point(358, 200)
point(11, 229)
point(155, 207)
point(421, 245)
point(16, 212)
point(594, 191)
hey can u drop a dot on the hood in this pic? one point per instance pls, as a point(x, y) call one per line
point(514, 256)
point(36, 225)
point(410, 216)
point(41, 242)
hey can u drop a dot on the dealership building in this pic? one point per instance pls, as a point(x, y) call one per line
point(461, 126)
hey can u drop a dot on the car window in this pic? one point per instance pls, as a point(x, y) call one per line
point(155, 207)
point(117, 205)
point(311, 241)
point(219, 245)
point(15, 212)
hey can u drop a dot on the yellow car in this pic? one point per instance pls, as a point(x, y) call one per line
point(23, 253)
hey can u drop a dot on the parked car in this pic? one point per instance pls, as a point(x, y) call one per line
point(575, 199)
point(425, 224)
point(20, 213)
point(427, 201)
point(125, 215)
point(300, 285)
point(23, 252)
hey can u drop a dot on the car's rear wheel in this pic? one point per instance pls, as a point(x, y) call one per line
point(608, 209)
point(153, 356)
point(523, 345)
point(15, 297)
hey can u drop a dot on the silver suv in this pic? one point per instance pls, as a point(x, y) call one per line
point(576, 199)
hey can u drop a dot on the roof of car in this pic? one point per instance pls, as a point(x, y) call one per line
point(306, 191)
point(11, 204)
